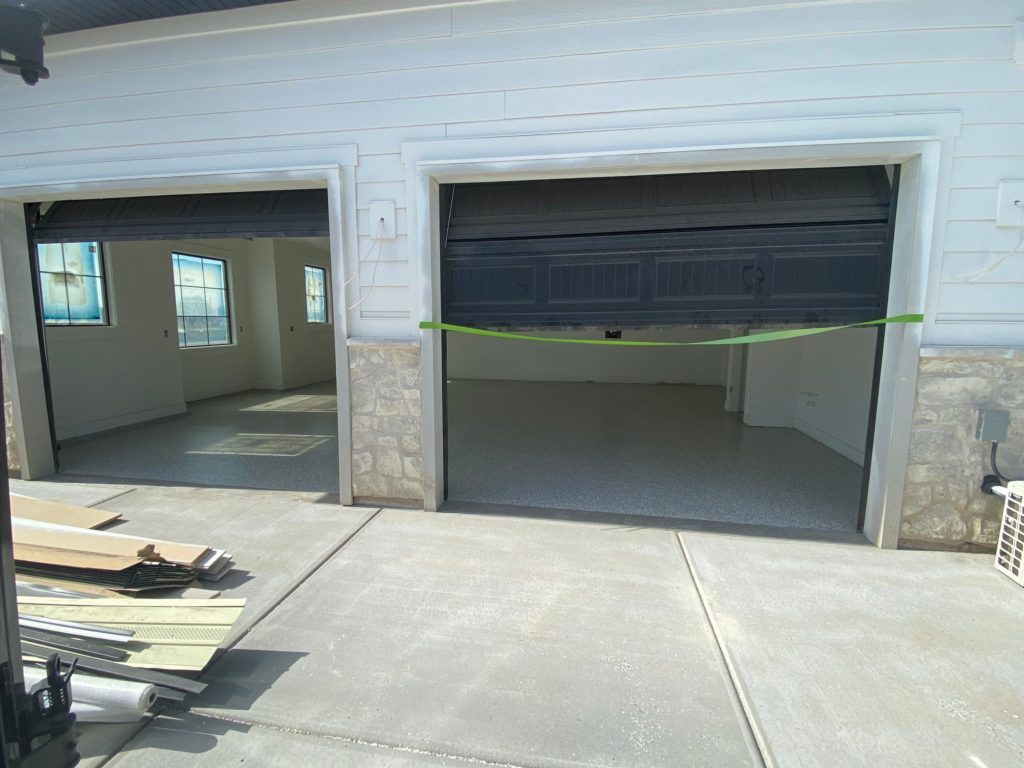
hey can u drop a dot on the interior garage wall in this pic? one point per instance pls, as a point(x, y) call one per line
point(275, 348)
point(307, 350)
point(477, 357)
point(211, 371)
point(133, 370)
point(130, 371)
point(820, 385)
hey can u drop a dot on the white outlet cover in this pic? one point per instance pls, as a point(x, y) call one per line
point(382, 209)
point(1010, 204)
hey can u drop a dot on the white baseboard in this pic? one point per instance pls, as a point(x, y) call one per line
point(120, 420)
point(841, 447)
point(754, 420)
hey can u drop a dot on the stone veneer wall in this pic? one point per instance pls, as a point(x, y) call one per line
point(386, 420)
point(13, 463)
point(942, 506)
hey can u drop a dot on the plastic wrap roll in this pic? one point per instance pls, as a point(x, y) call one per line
point(123, 697)
point(91, 713)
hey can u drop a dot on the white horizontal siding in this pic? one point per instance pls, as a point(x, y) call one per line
point(257, 119)
point(250, 42)
point(378, 168)
point(979, 236)
point(733, 17)
point(419, 79)
point(822, 84)
point(386, 49)
point(997, 268)
point(973, 204)
point(979, 107)
point(314, 74)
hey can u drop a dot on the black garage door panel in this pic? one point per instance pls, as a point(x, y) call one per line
point(278, 213)
point(652, 203)
point(504, 273)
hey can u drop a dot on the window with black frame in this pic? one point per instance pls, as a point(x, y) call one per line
point(201, 296)
point(316, 295)
point(72, 284)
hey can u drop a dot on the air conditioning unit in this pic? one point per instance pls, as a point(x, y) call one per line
point(1010, 547)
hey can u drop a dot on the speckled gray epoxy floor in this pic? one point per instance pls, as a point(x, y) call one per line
point(285, 441)
point(651, 449)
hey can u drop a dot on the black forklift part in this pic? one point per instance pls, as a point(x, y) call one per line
point(36, 727)
point(21, 38)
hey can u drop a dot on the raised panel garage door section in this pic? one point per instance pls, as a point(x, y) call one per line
point(787, 246)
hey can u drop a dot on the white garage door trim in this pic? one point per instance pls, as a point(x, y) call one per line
point(921, 143)
point(332, 168)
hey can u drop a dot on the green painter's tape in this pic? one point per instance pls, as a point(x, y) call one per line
point(756, 338)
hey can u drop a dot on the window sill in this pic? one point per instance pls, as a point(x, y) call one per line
point(215, 350)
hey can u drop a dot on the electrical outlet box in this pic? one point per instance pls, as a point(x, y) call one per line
point(993, 425)
point(382, 219)
point(1010, 204)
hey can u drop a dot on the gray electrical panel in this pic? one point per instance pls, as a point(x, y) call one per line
point(992, 425)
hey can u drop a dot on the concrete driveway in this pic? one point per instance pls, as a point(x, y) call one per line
point(403, 638)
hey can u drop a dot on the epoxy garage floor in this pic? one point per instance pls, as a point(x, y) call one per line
point(405, 639)
point(260, 439)
point(649, 449)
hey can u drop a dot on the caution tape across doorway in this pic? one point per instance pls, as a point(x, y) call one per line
point(756, 338)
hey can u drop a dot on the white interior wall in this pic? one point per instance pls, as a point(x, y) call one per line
point(834, 397)
point(820, 385)
point(267, 78)
point(266, 323)
point(772, 383)
point(220, 370)
point(134, 371)
point(106, 377)
point(478, 357)
point(307, 350)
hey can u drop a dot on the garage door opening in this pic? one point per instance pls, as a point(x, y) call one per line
point(189, 339)
point(771, 434)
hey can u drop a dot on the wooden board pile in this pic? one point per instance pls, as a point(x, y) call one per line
point(58, 542)
point(77, 597)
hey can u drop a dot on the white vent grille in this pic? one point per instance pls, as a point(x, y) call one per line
point(1010, 548)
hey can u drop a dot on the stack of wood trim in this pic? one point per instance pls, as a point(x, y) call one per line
point(156, 634)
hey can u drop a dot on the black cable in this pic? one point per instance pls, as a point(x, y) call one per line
point(992, 460)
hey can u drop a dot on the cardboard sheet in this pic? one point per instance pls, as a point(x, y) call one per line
point(62, 514)
point(67, 538)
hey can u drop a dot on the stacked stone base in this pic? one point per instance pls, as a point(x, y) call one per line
point(942, 505)
point(13, 464)
point(386, 421)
